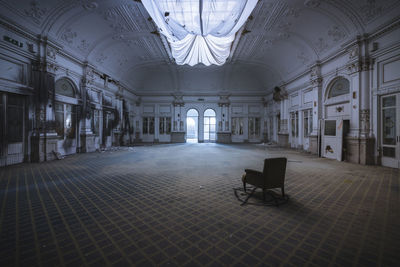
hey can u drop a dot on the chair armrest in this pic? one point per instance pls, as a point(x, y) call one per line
point(253, 172)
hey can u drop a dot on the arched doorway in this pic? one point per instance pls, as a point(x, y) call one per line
point(192, 126)
point(209, 125)
point(66, 120)
point(337, 118)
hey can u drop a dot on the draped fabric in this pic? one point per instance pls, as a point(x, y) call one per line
point(200, 31)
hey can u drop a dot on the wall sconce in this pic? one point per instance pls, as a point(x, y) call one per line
point(315, 103)
point(354, 95)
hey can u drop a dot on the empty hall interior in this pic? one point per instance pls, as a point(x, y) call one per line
point(199, 133)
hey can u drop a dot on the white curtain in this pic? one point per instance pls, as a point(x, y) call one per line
point(200, 31)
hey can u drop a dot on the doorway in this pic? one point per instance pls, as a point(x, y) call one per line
point(209, 125)
point(192, 126)
point(12, 124)
point(390, 130)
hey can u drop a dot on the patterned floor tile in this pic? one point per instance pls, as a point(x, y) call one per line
point(174, 205)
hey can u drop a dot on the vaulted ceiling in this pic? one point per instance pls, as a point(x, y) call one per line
point(280, 40)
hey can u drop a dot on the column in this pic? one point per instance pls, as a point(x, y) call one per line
point(317, 105)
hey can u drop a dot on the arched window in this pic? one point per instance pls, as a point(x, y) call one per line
point(340, 86)
point(65, 87)
point(209, 125)
point(192, 113)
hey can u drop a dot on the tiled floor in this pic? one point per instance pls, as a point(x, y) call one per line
point(174, 205)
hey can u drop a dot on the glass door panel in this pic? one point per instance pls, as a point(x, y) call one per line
point(390, 130)
point(209, 125)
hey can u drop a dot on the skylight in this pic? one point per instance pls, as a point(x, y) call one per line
point(200, 31)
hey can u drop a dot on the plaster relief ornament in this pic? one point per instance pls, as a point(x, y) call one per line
point(321, 45)
point(89, 5)
point(144, 58)
point(51, 53)
point(371, 10)
point(68, 36)
point(312, 3)
point(336, 34)
point(122, 61)
point(353, 53)
point(284, 26)
point(35, 11)
point(303, 58)
point(83, 46)
point(117, 23)
point(118, 37)
point(291, 12)
point(101, 58)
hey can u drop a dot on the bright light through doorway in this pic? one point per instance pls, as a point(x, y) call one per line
point(192, 118)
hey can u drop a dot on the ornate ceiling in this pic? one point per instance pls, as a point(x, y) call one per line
point(280, 40)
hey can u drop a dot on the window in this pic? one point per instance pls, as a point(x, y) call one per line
point(254, 127)
point(307, 122)
point(340, 86)
point(165, 125)
point(64, 87)
point(148, 125)
point(389, 121)
point(95, 121)
point(330, 128)
point(65, 120)
point(237, 126)
point(108, 118)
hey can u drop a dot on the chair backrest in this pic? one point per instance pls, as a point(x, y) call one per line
point(274, 172)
